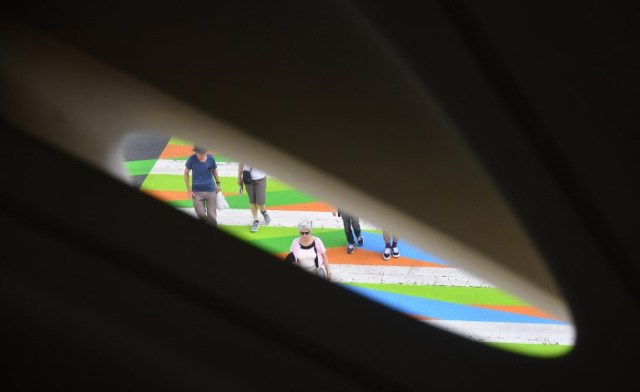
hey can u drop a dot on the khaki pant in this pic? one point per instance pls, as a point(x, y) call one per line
point(205, 206)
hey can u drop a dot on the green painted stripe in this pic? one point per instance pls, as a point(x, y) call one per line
point(459, 295)
point(275, 185)
point(175, 182)
point(284, 198)
point(534, 350)
point(278, 239)
point(179, 142)
point(164, 182)
point(235, 201)
point(272, 240)
point(181, 203)
point(137, 168)
point(172, 182)
point(331, 238)
point(264, 233)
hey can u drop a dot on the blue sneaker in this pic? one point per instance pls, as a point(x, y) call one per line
point(386, 254)
point(360, 241)
point(395, 252)
point(350, 248)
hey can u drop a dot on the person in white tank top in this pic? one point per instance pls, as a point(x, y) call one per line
point(257, 193)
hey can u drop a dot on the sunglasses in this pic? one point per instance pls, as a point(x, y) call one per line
point(305, 232)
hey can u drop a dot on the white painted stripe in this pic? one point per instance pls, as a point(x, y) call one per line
point(496, 332)
point(242, 217)
point(176, 166)
point(425, 276)
point(168, 166)
point(500, 332)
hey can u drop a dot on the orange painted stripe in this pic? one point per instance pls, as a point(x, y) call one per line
point(177, 151)
point(167, 195)
point(519, 309)
point(313, 206)
point(367, 257)
point(176, 195)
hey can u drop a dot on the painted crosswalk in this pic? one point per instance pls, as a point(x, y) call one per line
point(417, 284)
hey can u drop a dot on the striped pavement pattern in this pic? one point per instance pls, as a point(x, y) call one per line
point(416, 284)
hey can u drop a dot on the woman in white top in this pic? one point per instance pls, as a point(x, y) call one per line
point(310, 252)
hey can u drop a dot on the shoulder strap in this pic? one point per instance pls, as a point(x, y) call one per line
point(315, 250)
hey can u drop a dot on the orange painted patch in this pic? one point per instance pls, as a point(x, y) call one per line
point(519, 309)
point(313, 206)
point(178, 151)
point(167, 195)
point(176, 195)
point(366, 257)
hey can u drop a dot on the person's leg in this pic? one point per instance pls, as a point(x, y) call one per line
point(254, 211)
point(250, 188)
point(355, 223)
point(199, 206)
point(261, 197)
point(387, 245)
point(211, 203)
point(346, 222)
point(386, 237)
point(395, 252)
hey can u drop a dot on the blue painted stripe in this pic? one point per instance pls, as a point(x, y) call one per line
point(445, 310)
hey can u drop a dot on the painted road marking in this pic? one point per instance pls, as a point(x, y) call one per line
point(488, 322)
point(499, 332)
point(281, 218)
point(391, 274)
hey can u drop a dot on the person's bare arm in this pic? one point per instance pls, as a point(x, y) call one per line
point(327, 266)
point(187, 182)
point(217, 179)
point(240, 169)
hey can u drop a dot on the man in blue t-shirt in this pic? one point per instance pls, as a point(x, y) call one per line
point(202, 189)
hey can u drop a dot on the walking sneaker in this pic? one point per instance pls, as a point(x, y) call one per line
point(360, 241)
point(395, 252)
point(254, 226)
point(267, 218)
point(350, 248)
point(386, 254)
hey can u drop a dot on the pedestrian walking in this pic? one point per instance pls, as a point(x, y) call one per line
point(255, 183)
point(352, 229)
point(203, 183)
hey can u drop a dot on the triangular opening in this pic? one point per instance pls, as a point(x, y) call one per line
point(415, 283)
